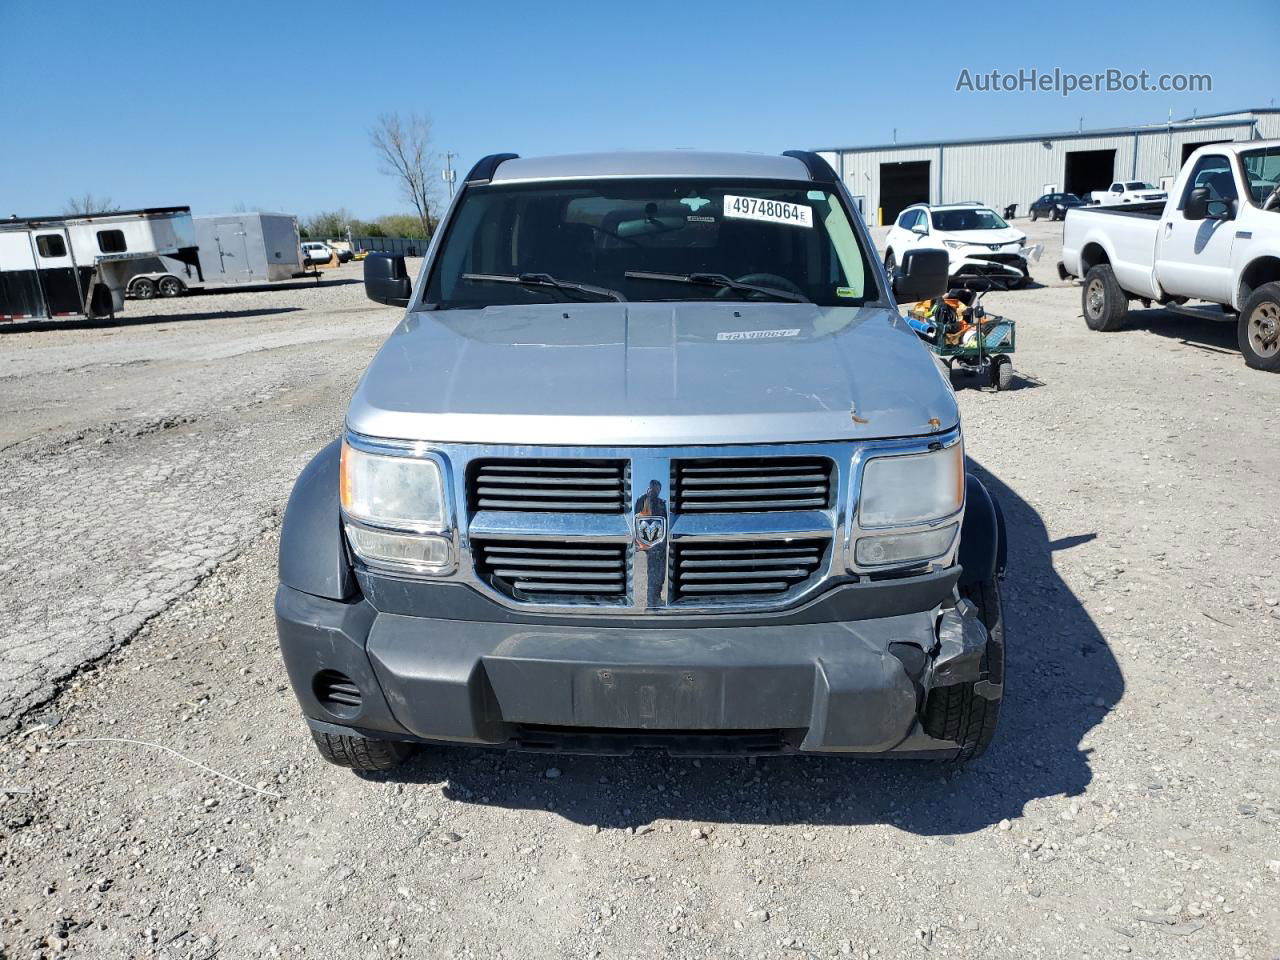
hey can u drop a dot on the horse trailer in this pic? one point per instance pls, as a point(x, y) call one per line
point(78, 266)
point(236, 248)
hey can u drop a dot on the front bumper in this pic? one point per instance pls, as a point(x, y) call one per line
point(857, 686)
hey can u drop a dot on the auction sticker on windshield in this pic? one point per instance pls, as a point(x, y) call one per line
point(770, 211)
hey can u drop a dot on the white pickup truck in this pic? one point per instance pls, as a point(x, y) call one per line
point(1216, 239)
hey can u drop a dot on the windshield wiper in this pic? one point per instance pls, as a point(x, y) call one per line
point(545, 280)
point(719, 280)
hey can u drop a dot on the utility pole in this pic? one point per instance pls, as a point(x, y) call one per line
point(448, 174)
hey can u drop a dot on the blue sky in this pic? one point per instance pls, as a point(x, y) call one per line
point(267, 105)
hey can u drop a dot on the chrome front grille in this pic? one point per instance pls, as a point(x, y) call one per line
point(702, 570)
point(542, 571)
point(548, 485)
point(751, 484)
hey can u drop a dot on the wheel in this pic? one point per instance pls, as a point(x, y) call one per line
point(890, 263)
point(1001, 373)
point(143, 288)
point(1104, 303)
point(361, 753)
point(169, 287)
point(957, 713)
point(1259, 330)
point(1035, 215)
point(1022, 281)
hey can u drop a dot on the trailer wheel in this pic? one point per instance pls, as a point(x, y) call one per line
point(169, 287)
point(1103, 301)
point(1259, 329)
point(1001, 373)
point(143, 288)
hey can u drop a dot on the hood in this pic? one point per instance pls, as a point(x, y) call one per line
point(652, 374)
point(982, 238)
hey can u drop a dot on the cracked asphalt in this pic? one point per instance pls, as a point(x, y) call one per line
point(1130, 805)
point(136, 457)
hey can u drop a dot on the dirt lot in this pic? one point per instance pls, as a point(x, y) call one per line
point(1131, 804)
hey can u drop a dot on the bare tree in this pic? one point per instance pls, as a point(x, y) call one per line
point(88, 205)
point(404, 152)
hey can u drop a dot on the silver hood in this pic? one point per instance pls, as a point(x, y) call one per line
point(652, 374)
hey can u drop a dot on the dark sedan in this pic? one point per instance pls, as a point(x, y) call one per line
point(1054, 205)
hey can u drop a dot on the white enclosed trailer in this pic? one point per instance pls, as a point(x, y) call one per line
point(79, 266)
point(235, 248)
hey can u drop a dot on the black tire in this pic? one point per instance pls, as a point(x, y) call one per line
point(1035, 215)
point(890, 264)
point(1258, 332)
point(169, 287)
point(361, 753)
point(1001, 373)
point(1102, 301)
point(957, 713)
point(144, 288)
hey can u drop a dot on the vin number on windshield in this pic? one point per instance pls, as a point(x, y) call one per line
point(771, 211)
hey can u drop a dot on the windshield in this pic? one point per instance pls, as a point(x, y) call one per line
point(969, 218)
point(1138, 185)
point(1262, 171)
point(647, 240)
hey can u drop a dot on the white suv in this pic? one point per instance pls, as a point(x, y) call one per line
point(977, 240)
point(316, 252)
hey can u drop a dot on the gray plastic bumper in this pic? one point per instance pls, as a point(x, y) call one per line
point(829, 686)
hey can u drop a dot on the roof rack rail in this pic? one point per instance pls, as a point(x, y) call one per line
point(484, 170)
point(819, 170)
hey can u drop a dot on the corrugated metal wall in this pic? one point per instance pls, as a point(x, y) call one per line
point(999, 173)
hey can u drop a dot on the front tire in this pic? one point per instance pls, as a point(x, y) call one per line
point(361, 753)
point(1258, 332)
point(1035, 215)
point(890, 264)
point(1103, 302)
point(959, 713)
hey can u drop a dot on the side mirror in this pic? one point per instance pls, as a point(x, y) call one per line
point(386, 280)
point(1200, 207)
point(922, 275)
point(920, 229)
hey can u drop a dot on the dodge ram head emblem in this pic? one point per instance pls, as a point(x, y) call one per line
point(650, 531)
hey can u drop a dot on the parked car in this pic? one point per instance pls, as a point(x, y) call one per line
point(1129, 191)
point(1054, 205)
point(652, 460)
point(1216, 239)
point(344, 254)
point(978, 242)
point(316, 252)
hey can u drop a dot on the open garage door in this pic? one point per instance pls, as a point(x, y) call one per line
point(901, 185)
point(1089, 170)
point(1189, 148)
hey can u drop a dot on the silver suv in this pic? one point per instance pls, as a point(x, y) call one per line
point(651, 461)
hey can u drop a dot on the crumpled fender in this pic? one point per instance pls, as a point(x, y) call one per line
point(983, 550)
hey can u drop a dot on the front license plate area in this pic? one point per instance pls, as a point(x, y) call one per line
point(646, 699)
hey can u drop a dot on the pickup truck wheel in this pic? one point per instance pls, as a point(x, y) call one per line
point(361, 753)
point(890, 263)
point(143, 288)
point(958, 713)
point(1104, 303)
point(1259, 330)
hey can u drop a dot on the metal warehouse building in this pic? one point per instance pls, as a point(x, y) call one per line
point(1004, 170)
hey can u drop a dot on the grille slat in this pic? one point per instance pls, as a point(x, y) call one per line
point(555, 572)
point(732, 485)
point(760, 568)
point(548, 486)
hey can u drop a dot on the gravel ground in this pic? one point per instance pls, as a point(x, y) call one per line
point(1129, 805)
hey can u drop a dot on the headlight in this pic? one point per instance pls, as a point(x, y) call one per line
point(396, 510)
point(917, 488)
point(954, 244)
point(920, 490)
